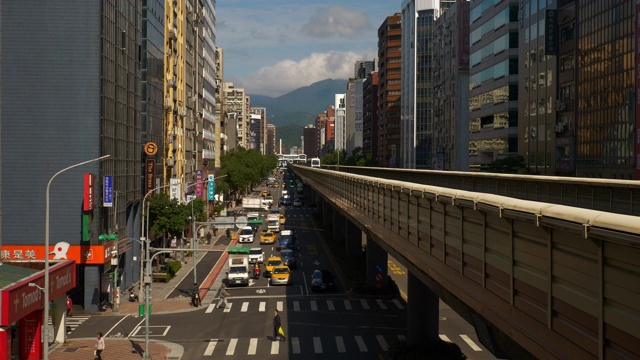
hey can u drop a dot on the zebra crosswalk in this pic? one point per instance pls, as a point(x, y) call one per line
point(242, 305)
point(71, 323)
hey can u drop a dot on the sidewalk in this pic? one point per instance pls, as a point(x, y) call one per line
point(77, 349)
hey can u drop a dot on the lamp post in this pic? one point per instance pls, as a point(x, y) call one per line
point(46, 250)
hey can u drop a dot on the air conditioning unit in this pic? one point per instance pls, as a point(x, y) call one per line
point(171, 83)
point(173, 34)
point(167, 103)
point(560, 128)
point(183, 111)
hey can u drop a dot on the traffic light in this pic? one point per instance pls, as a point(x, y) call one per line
point(108, 237)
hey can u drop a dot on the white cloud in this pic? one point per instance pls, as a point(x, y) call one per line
point(288, 75)
point(336, 21)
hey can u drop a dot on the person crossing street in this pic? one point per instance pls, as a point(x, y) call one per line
point(223, 297)
point(277, 326)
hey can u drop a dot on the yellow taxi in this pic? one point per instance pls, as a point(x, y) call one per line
point(267, 237)
point(280, 275)
point(264, 193)
point(272, 262)
point(276, 185)
point(282, 219)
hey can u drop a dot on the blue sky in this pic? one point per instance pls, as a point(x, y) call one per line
point(274, 46)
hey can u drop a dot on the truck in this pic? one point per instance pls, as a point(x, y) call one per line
point(273, 222)
point(253, 220)
point(252, 203)
point(238, 267)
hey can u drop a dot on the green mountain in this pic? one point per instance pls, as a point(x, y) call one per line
point(291, 112)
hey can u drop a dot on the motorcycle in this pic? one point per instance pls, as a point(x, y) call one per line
point(195, 299)
point(256, 273)
point(133, 297)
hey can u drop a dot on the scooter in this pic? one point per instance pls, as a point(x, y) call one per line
point(133, 297)
point(256, 273)
point(195, 299)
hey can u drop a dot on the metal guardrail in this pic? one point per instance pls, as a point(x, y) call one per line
point(561, 281)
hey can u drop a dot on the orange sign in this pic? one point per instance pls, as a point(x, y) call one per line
point(150, 148)
point(82, 254)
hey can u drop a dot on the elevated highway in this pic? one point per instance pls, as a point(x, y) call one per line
point(539, 266)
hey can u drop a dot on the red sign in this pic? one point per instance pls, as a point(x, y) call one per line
point(30, 345)
point(89, 192)
point(21, 299)
point(82, 254)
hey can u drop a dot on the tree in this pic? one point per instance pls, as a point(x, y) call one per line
point(242, 168)
point(168, 216)
point(332, 157)
point(508, 165)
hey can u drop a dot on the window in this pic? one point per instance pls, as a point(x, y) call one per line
point(566, 63)
point(566, 33)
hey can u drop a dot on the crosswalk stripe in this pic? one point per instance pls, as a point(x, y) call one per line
point(263, 306)
point(361, 345)
point(381, 304)
point(231, 349)
point(347, 304)
point(280, 306)
point(275, 347)
point(340, 344)
point(296, 306)
point(471, 343)
point(317, 345)
point(382, 342)
point(253, 346)
point(398, 304)
point(245, 306)
point(314, 305)
point(210, 347)
point(228, 308)
point(330, 305)
point(402, 337)
point(295, 345)
point(365, 304)
point(210, 309)
point(445, 338)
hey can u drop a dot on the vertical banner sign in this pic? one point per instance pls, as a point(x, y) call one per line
point(107, 191)
point(175, 189)
point(29, 329)
point(150, 174)
point(211, 188)
point(637, 137)
point(551, 33)
point(199, 183)
point(89, 192)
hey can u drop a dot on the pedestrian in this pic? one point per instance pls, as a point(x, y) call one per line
point(223, 297)
point(99, 346)
point(208, 237)
point(69, 306)
point(276, 324)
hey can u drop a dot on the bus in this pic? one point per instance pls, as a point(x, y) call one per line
point(315, 162)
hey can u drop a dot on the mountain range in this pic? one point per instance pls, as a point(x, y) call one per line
point(291, 112)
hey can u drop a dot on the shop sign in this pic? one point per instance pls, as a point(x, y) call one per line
point(82, 254)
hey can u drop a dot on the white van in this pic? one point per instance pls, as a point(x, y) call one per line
point(315, 162)
point(273, 222)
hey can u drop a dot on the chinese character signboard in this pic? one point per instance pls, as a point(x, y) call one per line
point(198, 183)
point(89, 192)
point(150, 174)
point(211, 190)
point(107, 191)
point(551, 33)
point(174, 189)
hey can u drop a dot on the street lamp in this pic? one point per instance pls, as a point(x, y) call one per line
point(46, 255)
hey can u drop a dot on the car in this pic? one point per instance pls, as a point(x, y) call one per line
point(267, 237)
point(281, 201)
point(322, 280)
point(274, 210)
point(287, 239)
point(256, 255)
point(276, 185)
point(297, 202)
point(264, 193)
point(267, 200)
point(287, 201)
point(288, 258)
point(271, 263)
point(283, 219)
point(280, 275)
point(245, 235)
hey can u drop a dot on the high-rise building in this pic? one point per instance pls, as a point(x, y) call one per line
point(271, 139)
point(417, 103)
point(493, 82)
point(370, 116)
point(219, 113)
point(71, 93)
point(310, 141)
point(261, 130)
point(389, 75)
point(340, 122)
point(450, 149)
point(362, 68)
point(236, 102)
point(210, 91)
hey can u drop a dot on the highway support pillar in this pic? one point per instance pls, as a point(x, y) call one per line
point(377, 267)
point(339, 223)
point(326, 212)
point(422, 313)
point(353, 239)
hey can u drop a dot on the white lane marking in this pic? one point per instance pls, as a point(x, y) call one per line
point(381, 304)
point(211, 347)
point(361, 345)
point(314, 305)
point(253, 346)
point(347, 304)
point(280, 306)
point(263, 306)
point(295, 345)
point(398, 304)
point(275, 347)
point(114, 326)
point(471, 343)
point(296, 306)
point(364, 303)
point(340, 344)
point(245, 306)
point(228, 308)
point(210, 308)
point(382, 342)
point(232, 346)
point(330, 305)
point(317, 345)
point(445, 338)
point(402, 337)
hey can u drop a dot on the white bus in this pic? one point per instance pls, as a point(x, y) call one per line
point(315, 162)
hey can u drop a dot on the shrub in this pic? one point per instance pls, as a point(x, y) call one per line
point(173, 267)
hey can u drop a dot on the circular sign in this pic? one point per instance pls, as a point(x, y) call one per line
point(150, 148)
point(378, 277)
